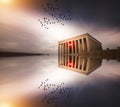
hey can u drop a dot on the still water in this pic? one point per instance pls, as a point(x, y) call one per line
point(39, 82)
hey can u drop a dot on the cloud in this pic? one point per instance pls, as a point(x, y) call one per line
point(20, 30)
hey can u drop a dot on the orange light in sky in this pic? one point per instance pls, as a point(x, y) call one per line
point(5, 1)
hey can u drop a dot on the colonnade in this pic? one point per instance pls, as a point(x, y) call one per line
point(73, 46)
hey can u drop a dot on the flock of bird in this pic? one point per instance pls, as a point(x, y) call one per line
point(58, 93)
point(57, 14)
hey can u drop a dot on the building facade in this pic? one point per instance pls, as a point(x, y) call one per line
point(79, 45)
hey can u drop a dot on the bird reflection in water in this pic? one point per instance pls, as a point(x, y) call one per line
point(57, 93)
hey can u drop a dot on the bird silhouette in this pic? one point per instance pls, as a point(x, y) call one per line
point(58, 16)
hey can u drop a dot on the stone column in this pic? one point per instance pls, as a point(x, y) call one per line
point(62, 53)
point(88, 44)
point(79, 49)
point(83, 45)
point(75, 47)
point(58, 54)
point(75, 61)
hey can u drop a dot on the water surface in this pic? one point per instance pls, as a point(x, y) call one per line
point(39, 82)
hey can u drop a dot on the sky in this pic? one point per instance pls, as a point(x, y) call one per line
point(22, 30)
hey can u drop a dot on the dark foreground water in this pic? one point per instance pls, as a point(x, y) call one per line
point(39, 82)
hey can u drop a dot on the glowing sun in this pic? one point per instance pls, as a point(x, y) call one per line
point(5, 1)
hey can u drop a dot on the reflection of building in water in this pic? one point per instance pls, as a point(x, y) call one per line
point(111, 54)
point(81, 64)
point(84, 54)
point(79, 45)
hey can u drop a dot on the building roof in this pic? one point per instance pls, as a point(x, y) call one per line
point(81, 36)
